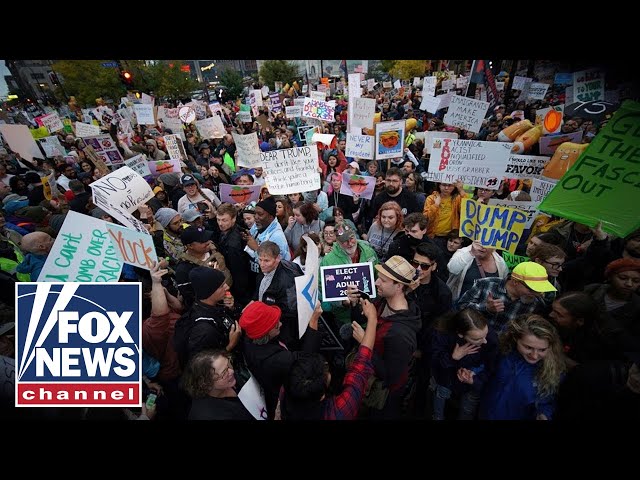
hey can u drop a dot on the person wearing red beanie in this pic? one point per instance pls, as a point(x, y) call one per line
point(260, 319)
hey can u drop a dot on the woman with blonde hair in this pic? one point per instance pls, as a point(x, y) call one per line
point(385, 227)
point(528, 373)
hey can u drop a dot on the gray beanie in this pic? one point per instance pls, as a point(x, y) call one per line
point(165, 215)
point(170, 179)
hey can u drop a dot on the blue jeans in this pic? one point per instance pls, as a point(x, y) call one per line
point(468, 402)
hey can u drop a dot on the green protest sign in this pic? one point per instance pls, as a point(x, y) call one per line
point(604, 183)
point(512, 260)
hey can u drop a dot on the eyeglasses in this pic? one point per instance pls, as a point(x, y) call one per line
point(329, 234)
point(423, 266)
point(557, 266)
point(225, 372)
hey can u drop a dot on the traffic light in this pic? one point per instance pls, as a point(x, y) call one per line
point(127, 78)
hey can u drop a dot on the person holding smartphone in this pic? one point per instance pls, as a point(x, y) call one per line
point(197, 198)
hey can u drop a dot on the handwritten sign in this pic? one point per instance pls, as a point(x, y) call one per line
point(186, 114)
point(239, 193)
point(243, 117)
point(430, 104)
point(466, 113)
point(134, 248)
point(358, 185)
point(492, 226)
point(360, 146)
point(86, 130)
point(123, 188)
point(540, 188)
point(175, 125)
point(537, 91)
point(389, 139)
point(525, 166)
point(52, 122)
point(520, 82)
point(476, 163)
point(208, 128)
point(512, 260)
point(429, 136)
point(144, 113)
point(318, 110)
point(363, 112)
point(139, 165)
point(82, 252)
point(248, 150)
point(529, 208)
point(317, 95)
point(276, 104)
point(335, 280)
point(588, 85)
point(52, 146)
point(293, 112)
point(291, 170)
point(175, 147)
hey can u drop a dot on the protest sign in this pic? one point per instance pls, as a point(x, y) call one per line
point(20, 140)
point(175, 147)
point(476, 163)
point(529, 208)
point(537, 91)
point(525, 166)
point(134, 248)
point(462, 82)
point(186, 114)
point(276, 104)
point(363, 112)
point(302, 133)
point(144, 113)
point(248, 150)
point(512, 260)
point(540, 188)
point(291, 170)
point(123, 188)
point(430, 135)
point(158, 167)
point(52, 146)
point(106, 149)
point(430, 104)
point(215, 107)
point(257, 96)
point(239, 193)
point(602, 185)
point(551, 119)
point(520, 82)
point(252, 398)
point(52, 122)
point(97, 160)
point(318, 110)
point(316, 95)
point(307, 286)
point(447, 84)
point(139, 165)
point(207, 128)
point(293, 112)
point(549, 143)
point(82, 252)
point(588, 85)
point(335, 279)
point(244, 117)
point(389, 139)
point(492, 226)
point(147, 99)
point(466, 113)
point(324, 138)
point(360, 146)
point(358, 185)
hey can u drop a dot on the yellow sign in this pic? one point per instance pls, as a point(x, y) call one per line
point(492, 225)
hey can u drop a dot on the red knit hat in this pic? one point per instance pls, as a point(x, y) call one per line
point(622, 265)
point(259, 318)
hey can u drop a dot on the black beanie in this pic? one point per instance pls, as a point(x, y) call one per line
point(268, 205)
point(205, 281)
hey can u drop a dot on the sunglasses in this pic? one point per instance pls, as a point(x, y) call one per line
point(423, 266)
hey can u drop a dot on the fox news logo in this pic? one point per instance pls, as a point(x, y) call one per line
point(78, 344)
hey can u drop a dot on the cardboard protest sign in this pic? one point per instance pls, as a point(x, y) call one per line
point(512, 260)
point(83, 252)
point(476, 163)
point(389, 139)
point(291, 170)
point(429, 136)
point(549, 143)
point(307, 286)
point(175, 147)
point(358, 185)
point(492, 226)
point(105, 147)
point(138, 164)
point(144, 114)
point(540, 188)
point(318, 110)
point(158, 167)
point(603, 183)
point(20, 140)
point(466, 113)
point(551, 119)
point(52, 146)
point(239, 193)
point(529, 208)
point(525, 166)
point(588, 85)
point(430, 104)
point(335, 280)
point(248, 149)
point(252, 398)
point(537, 91)
point(243, 117)
point(293, 112)
point(363, 111)
point(134, 248)
point(207, 128)
point(316, 95)
point(360, 146)
point(97, 160)
point(52, 122)
point(123, 188)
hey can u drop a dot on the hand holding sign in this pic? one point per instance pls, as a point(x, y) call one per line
point(494, 305)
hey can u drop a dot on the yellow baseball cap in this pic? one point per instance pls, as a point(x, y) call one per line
point(534, 276)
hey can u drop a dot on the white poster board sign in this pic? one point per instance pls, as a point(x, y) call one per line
point(537, 91)
point(429, 136)
point(86, 130)
point(291, 170)
point(293, 112)
point(52, 122)
point(144, 113)
point(20, 140)
point(363, 111)
point(307, 287)
point(466, 113)
point(248, 150)
point(429, 88)
point(525, 166)
point(123, 188)
point(139, 165)
point(360, 146)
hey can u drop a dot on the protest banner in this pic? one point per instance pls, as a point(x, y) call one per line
point(466, 113)
point(537, 91)
point(123, 188)
point(358, 185)
point(317, 95)
point(430, 104)
point(529, 208)
point(307, 286)
point(512, 259)
point(175, 147)
point(549, 143)
point(52, 146)
point(476, 163)
point(276, 104)
point(158, 167)
point(132, 247)
point(360, 146)
point(138, 164)
point(540, 188)
point(588, 85)
point(492, 226)
point(389, 139)
point(318, 110)
point(248, 150)
point(525, 166)
point(335, 280)
point(144, 113)
point(429, 136)
point(293, 112)
point(364, 110)
point(106, 149)
point(52, 122)
point(291, 170)
point(82, 252)
point(603, 185)
point(252, 399)
point(239, 193)
point(244, 117)
point(20, 140)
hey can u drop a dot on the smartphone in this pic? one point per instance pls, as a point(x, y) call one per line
point(364, 295)
point(202, 207)
point(151, 400)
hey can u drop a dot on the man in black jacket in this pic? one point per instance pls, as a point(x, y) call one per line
point(276, 286)
point(394, 192)
point(231, 246)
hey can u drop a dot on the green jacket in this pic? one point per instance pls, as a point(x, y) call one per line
point(337, 256)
